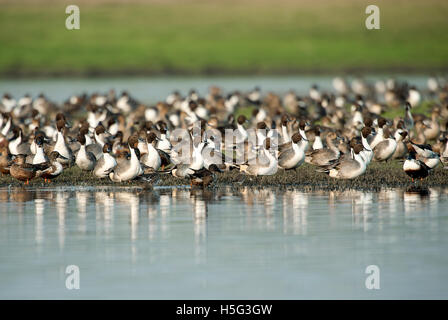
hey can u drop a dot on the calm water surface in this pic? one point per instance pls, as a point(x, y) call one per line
point(153, 89)
point(188, 244)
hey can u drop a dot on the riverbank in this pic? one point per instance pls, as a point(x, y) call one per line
point(378, 176)
point(226, 37)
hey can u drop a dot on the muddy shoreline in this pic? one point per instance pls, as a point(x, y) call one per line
point(378, 176)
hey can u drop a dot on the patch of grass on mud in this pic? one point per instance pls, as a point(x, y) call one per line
point(378, 176)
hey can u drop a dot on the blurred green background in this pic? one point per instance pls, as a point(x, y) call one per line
point(221, 37)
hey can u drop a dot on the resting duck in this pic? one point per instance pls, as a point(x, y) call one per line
point(39, 156)
point(317, 144)
point(151, 159)
point(265, 168)
point(426, 154)
point(17, 145)
point(204, 177)
point(292, 157)
point(54, 168)
point(384, 150)
point(106, 163)
point(5, 160)
point(128, 169)
point(324, 156)
point(85, 160)
point(408, 119)
point(23, 171)
point(415, 168)
point(61, 145)
point(347, 168)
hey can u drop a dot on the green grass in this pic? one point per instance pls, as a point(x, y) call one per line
point(378, 176)
point(236, 37)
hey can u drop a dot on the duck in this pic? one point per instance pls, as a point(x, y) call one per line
point(204, 177)
point(106, 163)
point(349, 167)
point(415, 168)
point(85, 160)
point(317, 144)
point(129, 169)
point(6, 160)
point(378, 137)
point(23, 171)
point(324, 156)
point(151, 159)
point(408, 119)
point(444, 155)
point(402, 150)
point(367, 152)
point(385, 149)
point(262, 168)
point(292, 157)
point(432, 129)
point(39, 156)
point(54, 168)
point(16, 144)
point(61, 145)
point(426, 154)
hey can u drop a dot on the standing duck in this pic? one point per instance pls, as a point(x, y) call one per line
point(426, 154)
point(16, 144)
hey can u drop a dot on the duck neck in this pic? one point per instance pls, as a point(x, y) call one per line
point(365, 143)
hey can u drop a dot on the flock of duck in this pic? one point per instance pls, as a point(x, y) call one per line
point(118, 138)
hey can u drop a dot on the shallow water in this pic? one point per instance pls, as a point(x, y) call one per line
point(192, 244)
point(153, 89)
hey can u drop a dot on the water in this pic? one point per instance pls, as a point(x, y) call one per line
point(177, 243)
point(154, 89)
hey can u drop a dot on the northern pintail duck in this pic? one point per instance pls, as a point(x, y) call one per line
point(129, 169)
point(61, 145)
point(23, 171)
point(384, 150)
point(262, 167)
point(17, 145)
point(408, 119)
point(325, 156)
point(317, 144)
point(426, 154)
point(106, 163)
point(39, 156)
point(54, 168)
point(347, 168)
point(294, 156)
point(151, 158)
point(415, 168)
point(85, 160)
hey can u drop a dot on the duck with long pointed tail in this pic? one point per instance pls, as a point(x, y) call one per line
point(61, 145)
point(293, 157)
point(106, 163)
point(347, 168)
point(415, 168)
point(54, 167)
point(128, 170)
point(85, 160)
point(151, 159)
point(40, 156)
